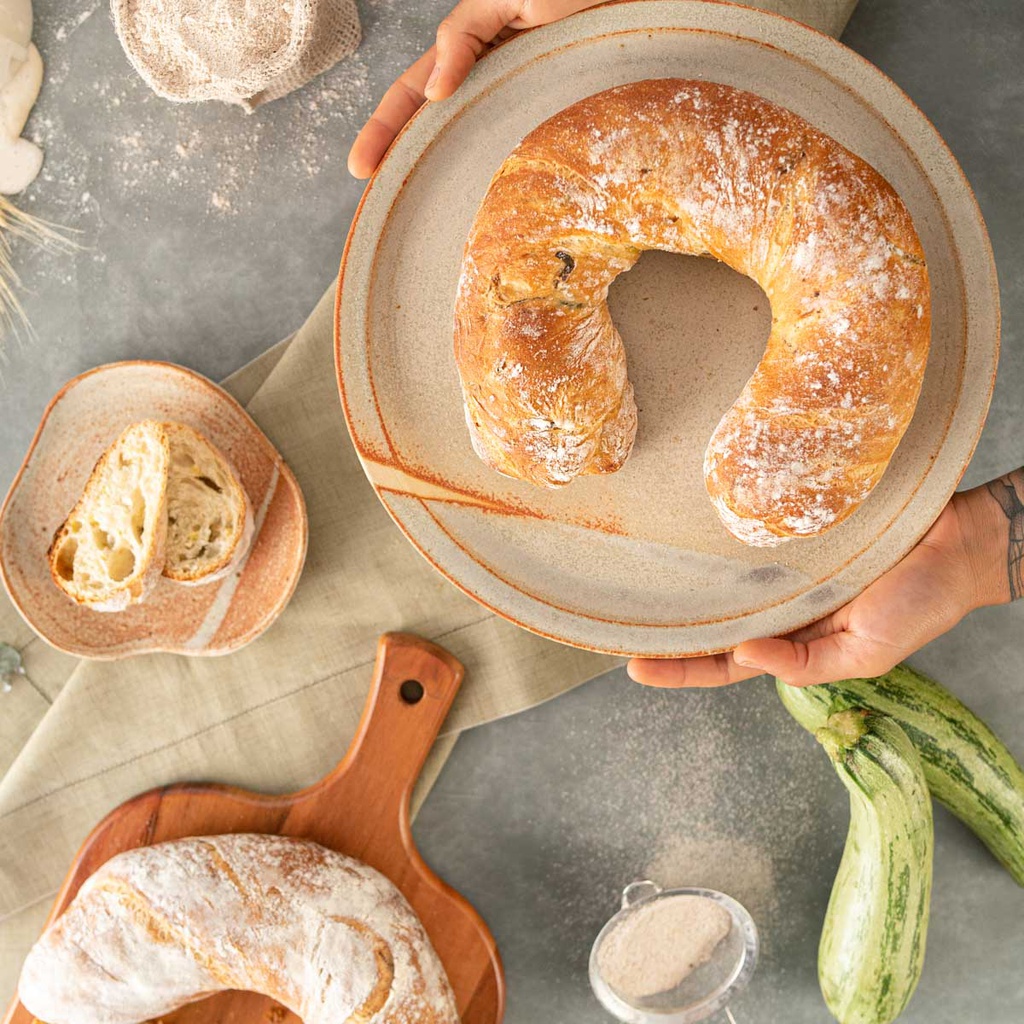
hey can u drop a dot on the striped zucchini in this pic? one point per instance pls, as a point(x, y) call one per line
point(873, 939)
point(967, 767)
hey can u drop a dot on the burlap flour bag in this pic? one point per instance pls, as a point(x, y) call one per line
point(238, 51)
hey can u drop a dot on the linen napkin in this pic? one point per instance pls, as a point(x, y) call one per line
point(77, 738)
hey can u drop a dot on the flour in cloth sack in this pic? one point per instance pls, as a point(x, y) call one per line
point(237, 51)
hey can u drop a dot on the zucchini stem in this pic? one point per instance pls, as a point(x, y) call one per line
point(843, 731)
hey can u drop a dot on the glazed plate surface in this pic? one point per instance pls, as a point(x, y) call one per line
point(637, 562)
point(85, 417)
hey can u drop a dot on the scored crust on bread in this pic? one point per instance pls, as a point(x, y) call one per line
point(700, 169)
point(109, 551)
point(209, 516)
point(161, 926)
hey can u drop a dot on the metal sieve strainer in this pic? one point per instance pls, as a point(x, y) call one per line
point(702, 991)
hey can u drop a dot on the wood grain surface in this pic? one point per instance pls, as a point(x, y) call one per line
point(361, 809)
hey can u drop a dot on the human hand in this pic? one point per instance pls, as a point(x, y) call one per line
point(470, 30)
point(959, 565)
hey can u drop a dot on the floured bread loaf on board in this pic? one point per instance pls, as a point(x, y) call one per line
point(701, 169)
point(161, 926)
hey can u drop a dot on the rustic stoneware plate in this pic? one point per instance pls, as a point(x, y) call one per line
point(80, 423)
point(637, 562)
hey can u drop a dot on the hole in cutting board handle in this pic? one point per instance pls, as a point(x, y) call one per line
point(411, 691)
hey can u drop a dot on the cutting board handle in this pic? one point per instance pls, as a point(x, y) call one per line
point(414, 684)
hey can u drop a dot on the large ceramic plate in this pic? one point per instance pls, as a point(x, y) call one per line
point(84, 418)
point(637, 562)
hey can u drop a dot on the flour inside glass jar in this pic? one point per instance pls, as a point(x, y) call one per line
point(655, 949)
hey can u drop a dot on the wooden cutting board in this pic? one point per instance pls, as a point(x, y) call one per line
point(361, 809)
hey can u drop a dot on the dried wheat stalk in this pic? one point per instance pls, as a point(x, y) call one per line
point(15, 224)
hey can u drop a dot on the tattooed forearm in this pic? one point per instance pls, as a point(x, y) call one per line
point(1007, 491)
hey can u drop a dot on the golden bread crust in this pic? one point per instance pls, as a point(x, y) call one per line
point(158, 927)
point(701, 169)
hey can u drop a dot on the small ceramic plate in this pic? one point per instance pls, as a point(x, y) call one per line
point(85, 417)
point(636, 562)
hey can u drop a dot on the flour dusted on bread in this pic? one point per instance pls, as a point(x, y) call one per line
point(161, 926)
point(109, 552)
point(209, 516)
point(701, 169)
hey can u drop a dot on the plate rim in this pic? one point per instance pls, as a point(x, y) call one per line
point(128, 649)
point(985, 254)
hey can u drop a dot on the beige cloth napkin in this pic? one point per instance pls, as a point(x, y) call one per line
point(77, 738)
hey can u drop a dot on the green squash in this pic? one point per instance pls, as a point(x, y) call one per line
point(873, 940)
point(967, 766)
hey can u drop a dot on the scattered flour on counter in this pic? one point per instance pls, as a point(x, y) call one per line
point(220, 203)
point(222, 158)
point(105, 126)
point(685, 803)
point(66, 28)
point(737, 867)
point(120, 161)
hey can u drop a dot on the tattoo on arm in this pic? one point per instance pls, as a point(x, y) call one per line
point(1004, 490)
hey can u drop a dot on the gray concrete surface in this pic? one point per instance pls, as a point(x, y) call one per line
point(207, 235)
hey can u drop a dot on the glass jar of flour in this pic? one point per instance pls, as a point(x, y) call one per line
point(673, 956)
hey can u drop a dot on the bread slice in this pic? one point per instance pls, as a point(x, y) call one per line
point(209, 516)
point(109, 552)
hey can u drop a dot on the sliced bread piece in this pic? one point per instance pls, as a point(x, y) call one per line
point(209, 516)
point(109, 552)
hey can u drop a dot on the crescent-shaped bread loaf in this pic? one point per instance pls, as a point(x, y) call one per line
point(701, 169)
point(161, 926)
